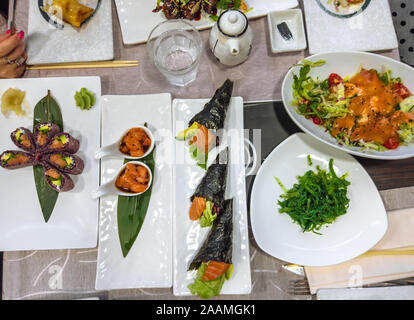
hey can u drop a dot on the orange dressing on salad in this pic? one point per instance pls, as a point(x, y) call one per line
point(372, 117)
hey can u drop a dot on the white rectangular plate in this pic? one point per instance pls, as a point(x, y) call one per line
point(149, 262)
point(137, 19)
point(74, 221)
point(188, 235)
point(92, 42)
point(371, 30)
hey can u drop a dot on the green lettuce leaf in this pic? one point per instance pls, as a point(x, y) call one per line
point(207, 218)
point(208, 289)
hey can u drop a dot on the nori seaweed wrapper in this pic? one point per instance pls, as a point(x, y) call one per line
point(28, 135)
point(214, 112)
point(77, 167)
point(72, 146)
point(219, 243)
point(213, 185)
point(29, 163)
point(54, 129)
point(66, 182)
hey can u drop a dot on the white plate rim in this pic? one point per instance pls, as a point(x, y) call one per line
point(300, 261)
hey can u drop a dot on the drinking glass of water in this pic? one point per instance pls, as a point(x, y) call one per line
point(175, 47)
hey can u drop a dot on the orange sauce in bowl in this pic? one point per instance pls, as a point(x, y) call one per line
point(134, 178)
point(135, 143)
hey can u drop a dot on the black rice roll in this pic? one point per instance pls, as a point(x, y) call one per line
point(218, 245)
point(62, 142)
point(23, 139)
point(56, 179)
point(43, 133)
point(65, 162)
point(12, 159)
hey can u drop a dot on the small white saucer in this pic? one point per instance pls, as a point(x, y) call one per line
point(294, 20)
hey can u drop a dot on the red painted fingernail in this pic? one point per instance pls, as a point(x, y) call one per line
point(21, 35)
point(8, 31)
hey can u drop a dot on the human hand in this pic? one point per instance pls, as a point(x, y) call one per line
point(12, 55)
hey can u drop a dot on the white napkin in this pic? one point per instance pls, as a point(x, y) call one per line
point(372, 269)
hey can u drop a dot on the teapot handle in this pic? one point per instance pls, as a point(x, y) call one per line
point(234, 47)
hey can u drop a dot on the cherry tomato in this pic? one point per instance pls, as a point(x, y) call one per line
point(401, 90)
point(316, 120)
point(392, 143)
point(334, 79)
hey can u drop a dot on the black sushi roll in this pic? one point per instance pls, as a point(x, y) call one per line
point(16, 159)
point(209, 7)
point(171, 9)
point(43, 133)
point(23, 139)
point(192, 10)
point(214, 112)
point(65, 162)
point(207, 200)
point(56, 179)
point(218, 245)
point(62, 142)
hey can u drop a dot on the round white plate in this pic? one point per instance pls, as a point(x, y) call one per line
point(349, 236)
point(347, 64)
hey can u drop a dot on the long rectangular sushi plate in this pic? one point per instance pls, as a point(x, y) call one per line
point(188, 236)
point(149, 262)
point(74, 221)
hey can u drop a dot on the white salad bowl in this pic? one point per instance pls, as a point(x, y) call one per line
point(347, 63)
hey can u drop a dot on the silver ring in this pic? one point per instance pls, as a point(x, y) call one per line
point(20, 61)
point(7, 60)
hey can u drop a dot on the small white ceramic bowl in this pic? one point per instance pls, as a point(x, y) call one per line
point(110, 188)
point(294, 20)
point(113, 149)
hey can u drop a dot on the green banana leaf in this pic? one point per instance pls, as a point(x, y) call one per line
point(46, 110)
point(132, 211)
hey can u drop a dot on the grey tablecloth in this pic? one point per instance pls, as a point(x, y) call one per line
point(71, 273)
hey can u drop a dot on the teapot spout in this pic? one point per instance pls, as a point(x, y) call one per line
point(234, 47)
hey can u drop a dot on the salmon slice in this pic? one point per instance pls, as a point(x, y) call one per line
point(214, 270)
point(197, 208)
point(203, 139)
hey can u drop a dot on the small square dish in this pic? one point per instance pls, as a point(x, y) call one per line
point(287, 32)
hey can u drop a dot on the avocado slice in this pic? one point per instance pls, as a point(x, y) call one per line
point(188, 133)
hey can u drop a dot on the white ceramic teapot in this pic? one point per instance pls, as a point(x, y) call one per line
point(231, 38)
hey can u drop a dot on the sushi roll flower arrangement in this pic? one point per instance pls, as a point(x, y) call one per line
point(49, 148)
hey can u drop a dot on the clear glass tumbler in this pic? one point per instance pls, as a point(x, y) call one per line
point(175, 47)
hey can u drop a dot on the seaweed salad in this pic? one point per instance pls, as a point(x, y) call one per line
point(214, 260)
point(207, 200)
point(203, 132)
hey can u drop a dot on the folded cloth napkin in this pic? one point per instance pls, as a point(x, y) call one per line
point(370, 268)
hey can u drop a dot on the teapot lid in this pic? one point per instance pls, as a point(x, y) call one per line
point(232, 23)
